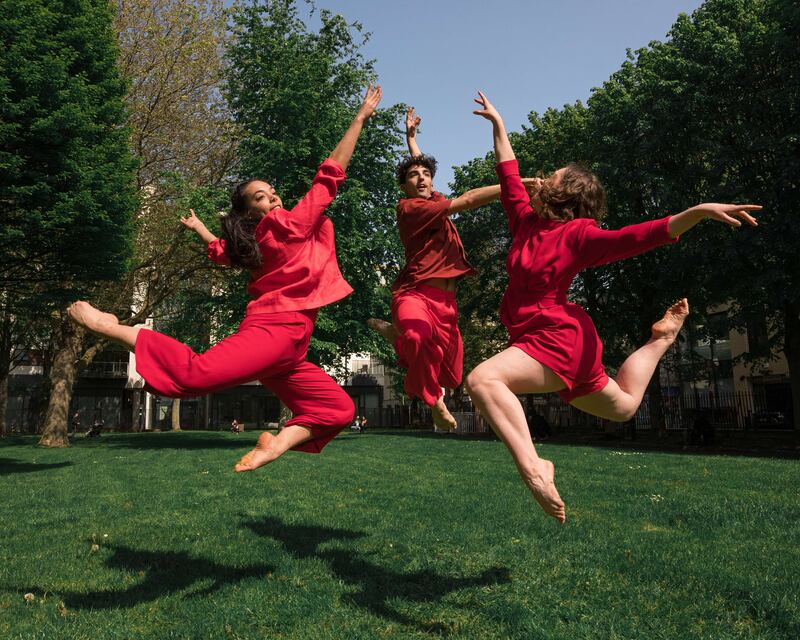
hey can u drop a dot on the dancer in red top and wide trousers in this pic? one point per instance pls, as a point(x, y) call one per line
point(554, 346)
point(291, 257)
point(424, 328)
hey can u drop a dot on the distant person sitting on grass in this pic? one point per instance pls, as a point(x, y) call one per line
point(554, 346)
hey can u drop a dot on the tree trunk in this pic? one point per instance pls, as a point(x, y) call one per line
point(136, 403)
point(62, 380)
point(791, 350)
point(3, 405)
point(176, 414)
point(5, 368)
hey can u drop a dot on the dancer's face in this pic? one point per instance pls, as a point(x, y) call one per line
point(419, 182)
point(552, 180)
point(556, 176)
point(261, 198)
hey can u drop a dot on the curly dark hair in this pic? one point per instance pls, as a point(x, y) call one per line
point(578, 194)
point(429, 162)
point(238, 230)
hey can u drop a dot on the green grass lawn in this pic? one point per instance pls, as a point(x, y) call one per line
point(391, 535)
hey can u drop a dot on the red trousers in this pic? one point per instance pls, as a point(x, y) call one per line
point(268, 347)
point(429, 346)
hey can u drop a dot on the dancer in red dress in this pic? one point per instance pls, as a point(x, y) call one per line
point(553, 344)
point(424, 328)
point(291, 257)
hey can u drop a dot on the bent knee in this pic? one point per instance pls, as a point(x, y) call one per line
point(477, 381)
point(343, 412)
point(623, 412)
point(416, 337)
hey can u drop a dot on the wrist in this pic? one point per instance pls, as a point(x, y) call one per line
point(696, 213)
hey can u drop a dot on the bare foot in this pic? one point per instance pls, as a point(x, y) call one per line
point(540, 479)
point(442, 418)
point(386, 329)
point(94, 320)
point(669, 326)
point(263, 453)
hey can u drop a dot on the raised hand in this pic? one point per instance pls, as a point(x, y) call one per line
point(412, 122)
point(370, 103)
point(192, 222)
point(344, 150)
point(727, 213)
point(489, 112)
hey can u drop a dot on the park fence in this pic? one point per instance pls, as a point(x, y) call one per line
point(735, 411)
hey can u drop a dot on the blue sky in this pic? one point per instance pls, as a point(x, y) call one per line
point(526, 55)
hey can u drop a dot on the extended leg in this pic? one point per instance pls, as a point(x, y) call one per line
point(492, 385)
point(103, 324)
point(620, 399)
point(417, 348)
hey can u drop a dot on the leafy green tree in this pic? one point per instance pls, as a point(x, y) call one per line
point(710, 114)
point(66, 171)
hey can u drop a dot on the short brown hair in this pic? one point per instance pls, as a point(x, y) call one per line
point(578, 194)
point(422, 160)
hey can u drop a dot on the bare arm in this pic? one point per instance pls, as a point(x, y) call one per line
point(344, 150)
point(502, 146)
point(474, 198)
point(681, 222)
point(412, 122)
point(195, 224)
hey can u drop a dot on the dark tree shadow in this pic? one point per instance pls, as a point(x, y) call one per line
point(430, 434)
point(9, 466)
point(191, 441)
point(186, 440)
point(165, 573)
point(376, 585)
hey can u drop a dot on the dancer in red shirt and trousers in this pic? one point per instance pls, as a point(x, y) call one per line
point(424, 328)
point(553, 344)
point(291, 257)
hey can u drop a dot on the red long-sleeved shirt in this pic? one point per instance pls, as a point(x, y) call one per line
point(299, 269)
point(432, 246)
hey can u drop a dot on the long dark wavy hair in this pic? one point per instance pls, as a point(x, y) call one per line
point(238, 230)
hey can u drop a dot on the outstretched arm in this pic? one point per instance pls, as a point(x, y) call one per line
point(412, 122)
point(344, 150)
point(195, 224)
point(681, 222)
point(513, 194)
point(600, 246)
point(474, 198)
point(502, 146)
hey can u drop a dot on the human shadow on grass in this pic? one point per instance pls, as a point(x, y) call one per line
point(165, 573)
point(9, 466)
point(377, 586)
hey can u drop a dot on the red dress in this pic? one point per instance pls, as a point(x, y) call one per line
point(544, 258)
point(299, 274)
